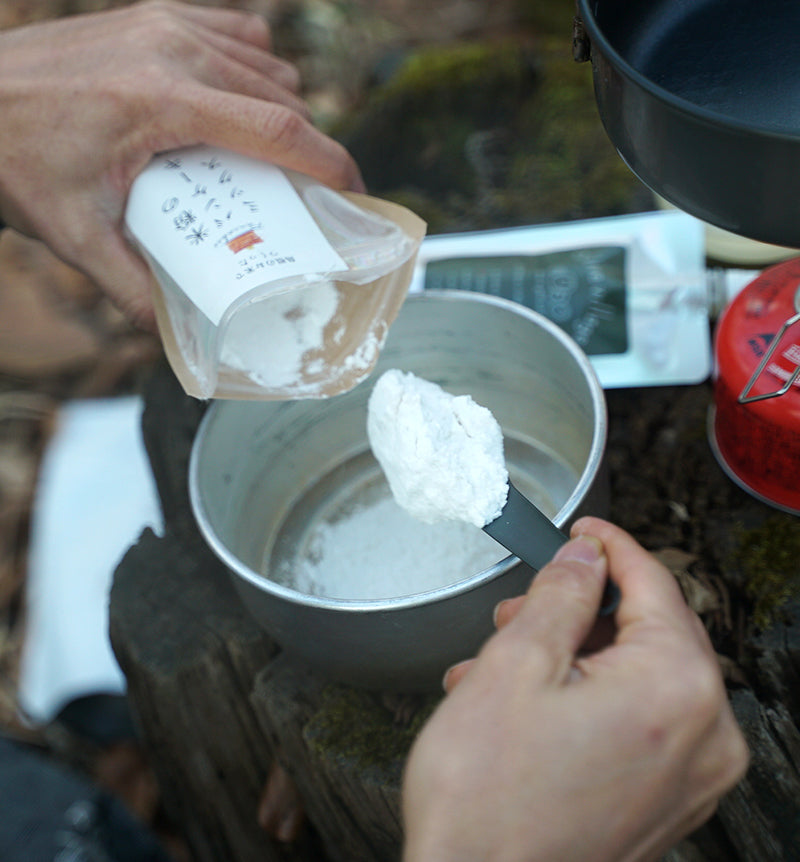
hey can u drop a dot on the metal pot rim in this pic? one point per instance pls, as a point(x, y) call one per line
point(352, 606)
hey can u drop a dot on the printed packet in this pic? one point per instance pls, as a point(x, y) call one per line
point(633, 291)
point(271, 286)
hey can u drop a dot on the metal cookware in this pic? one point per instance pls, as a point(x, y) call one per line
point(263, 475)
point(702, 100)
point(754, 423)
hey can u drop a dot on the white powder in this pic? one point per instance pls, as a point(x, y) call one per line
point(442, 454)
point(376, 550)
point(283, 343)
point(364, 357)
point(278, 341)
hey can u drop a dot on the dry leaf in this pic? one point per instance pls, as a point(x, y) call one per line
point(700, 595)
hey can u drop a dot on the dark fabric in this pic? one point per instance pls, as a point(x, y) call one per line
point(49, 814)
point(100, 718)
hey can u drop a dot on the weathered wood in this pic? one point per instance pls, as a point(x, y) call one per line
point(777, 659)
point(192, 655)
point(189, 653)
point(345, 750)
point(762, 814)
point(169, 423)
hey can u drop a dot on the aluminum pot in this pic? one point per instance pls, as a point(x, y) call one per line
point(257, 467)
point(700, 98)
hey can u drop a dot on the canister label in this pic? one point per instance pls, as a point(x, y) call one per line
point(764, 456)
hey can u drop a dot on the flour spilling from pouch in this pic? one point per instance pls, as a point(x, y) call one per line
point(270, 285)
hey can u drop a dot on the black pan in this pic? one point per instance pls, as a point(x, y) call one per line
point(702, 100)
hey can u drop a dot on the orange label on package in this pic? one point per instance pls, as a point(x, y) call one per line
point(244, 241)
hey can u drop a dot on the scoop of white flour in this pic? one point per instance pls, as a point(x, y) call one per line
point(442, 454)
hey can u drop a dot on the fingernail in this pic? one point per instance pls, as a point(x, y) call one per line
point(447, 679)
point(289, 827)
point(583, 549)
point(496, 611)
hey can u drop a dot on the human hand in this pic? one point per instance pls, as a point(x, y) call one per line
point(87, 100)
point(543, 752)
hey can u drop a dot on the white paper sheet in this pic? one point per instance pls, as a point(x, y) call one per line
point(95, 495)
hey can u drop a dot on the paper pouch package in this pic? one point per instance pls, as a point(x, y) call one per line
point(270, 285)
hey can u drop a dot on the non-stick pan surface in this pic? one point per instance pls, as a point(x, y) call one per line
point(702, 99)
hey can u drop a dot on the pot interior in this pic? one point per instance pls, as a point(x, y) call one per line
point(273, 482)
point(727, 57)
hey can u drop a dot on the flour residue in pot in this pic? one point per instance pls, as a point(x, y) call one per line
point(373, 549)
point(415, 525)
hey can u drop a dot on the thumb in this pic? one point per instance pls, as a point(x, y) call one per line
point(561, 606)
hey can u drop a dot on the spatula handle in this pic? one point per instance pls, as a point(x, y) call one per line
point(538, 542)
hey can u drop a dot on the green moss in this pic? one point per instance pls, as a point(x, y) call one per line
point(565, 162)
point(482, 135)
point(462, 72)
point(413, 130)
point(769, 558)
point(353, 727)
point(553, 17)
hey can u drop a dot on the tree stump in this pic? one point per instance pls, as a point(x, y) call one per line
point(189, 653)
point(217, 704)
point(345, 750)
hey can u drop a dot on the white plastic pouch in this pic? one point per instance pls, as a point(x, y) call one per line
point(631, 290)
point(271, 285)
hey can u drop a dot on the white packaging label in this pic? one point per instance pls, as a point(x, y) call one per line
point(630, 290)
point(221, 224)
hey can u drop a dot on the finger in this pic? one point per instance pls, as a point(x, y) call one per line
point(263, 63)
point(649, 590)
point(223, 62)
point(455, 674)
point(270, 132)
point(170, 19)
point(280, 809)
point(507, 610)
point(238, 24)
point(560, 609)
point(106, 258)
point(221, 72)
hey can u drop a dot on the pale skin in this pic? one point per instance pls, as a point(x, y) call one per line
point(545, 752)
point(86, 101)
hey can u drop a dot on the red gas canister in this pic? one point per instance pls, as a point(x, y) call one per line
point(754, 425)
